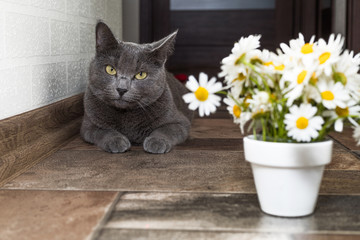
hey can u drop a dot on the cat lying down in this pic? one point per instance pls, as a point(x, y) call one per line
point(131, 98)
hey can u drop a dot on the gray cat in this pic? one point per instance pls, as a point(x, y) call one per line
point(131, 98)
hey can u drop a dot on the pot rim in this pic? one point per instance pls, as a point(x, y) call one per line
point(288, 155)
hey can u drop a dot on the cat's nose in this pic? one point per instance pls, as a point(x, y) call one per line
point(121, 91)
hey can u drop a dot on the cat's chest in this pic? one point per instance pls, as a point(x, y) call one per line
point(136, 125)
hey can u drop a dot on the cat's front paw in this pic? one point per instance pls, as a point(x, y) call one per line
point(115, 144)
point(156, 145)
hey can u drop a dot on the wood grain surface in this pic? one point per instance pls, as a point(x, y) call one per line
point(28, 138)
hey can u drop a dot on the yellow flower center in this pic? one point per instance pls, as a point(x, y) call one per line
point(307, 48)
point(240, 59)
point(268, 63)
point(201, 94)
point(342, 112)
point(327, 95)
point(324, 57)
point(280, 67)
point(302, 123)
point(301, 76)
point(313, 79)
point(240, 77)
point(236, 111)
point(340, 77)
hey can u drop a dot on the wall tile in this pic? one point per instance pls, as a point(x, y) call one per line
point(77, 76)
point(15, 90)
point(113, 16)
point(51, 42)
point(23, 2)
point(48, 83)
point(87, 38)
point(2, 43)
point(56, 5)
point(64, 38)
point(78, 7)
point(26, 36)
point(98, 9)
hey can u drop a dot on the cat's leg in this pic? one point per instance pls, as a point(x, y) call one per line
point(162, 139)
point(107, 139)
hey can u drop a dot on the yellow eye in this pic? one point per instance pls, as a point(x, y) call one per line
point(110, 70)
point(141, 75)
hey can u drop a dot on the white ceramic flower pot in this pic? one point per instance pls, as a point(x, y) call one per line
point(287, 175)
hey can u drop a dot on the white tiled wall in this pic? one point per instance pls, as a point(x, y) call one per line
point(46, 47)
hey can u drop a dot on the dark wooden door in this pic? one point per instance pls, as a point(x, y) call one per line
point(207, 33)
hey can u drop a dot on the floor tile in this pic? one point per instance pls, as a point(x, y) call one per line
point(179, 170)
point(346, 138)
point(136, 234)
point(214, 128)
point(56, 215)
point(137, 170)
point(229, 212)
point(219, 144)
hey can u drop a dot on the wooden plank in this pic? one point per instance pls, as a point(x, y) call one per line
point(179, 170)
point(24, 128)
point(189, 57)
point(353, 30)
point(284, 20)
point(346, 139)
point(30, 137)
point(59, 214)
point(160, 18)
point(201, 28)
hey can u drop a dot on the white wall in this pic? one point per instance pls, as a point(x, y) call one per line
point(46, 47)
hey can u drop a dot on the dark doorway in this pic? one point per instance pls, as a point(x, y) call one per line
point(209, 28)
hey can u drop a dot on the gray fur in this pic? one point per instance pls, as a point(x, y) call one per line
point(151, 112)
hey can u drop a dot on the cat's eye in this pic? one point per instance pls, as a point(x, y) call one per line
point(141, 75)
point(110, 70)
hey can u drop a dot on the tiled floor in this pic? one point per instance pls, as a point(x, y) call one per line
point(203, 189)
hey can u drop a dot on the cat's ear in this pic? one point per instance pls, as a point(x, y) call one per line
point(105, 39)
point(163, 48)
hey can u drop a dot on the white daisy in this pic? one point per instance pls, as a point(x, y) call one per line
point(240, 117)
point(302, 124)
point(298, 78)
point(328, 53)
point(202, 94)
point(341, 114)
point(259, 103)
point(333, 95)
point(233, 107)
point(356, 134)
point(232, 68)
point(346, 71)
point(299, 51)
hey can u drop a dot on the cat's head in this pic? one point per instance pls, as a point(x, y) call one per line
point(128, 75)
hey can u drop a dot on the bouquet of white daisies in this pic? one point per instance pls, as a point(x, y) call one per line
point(298, 94)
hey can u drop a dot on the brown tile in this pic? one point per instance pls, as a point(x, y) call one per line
point(43, 215)
point(129, 234)
point(179, 170)
point(137, 170)
point(340, 182)
point(211, 144)
point(214, 128)
point(346, 138)
point(343, 160)
point(219, 144)
point(229, 212)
